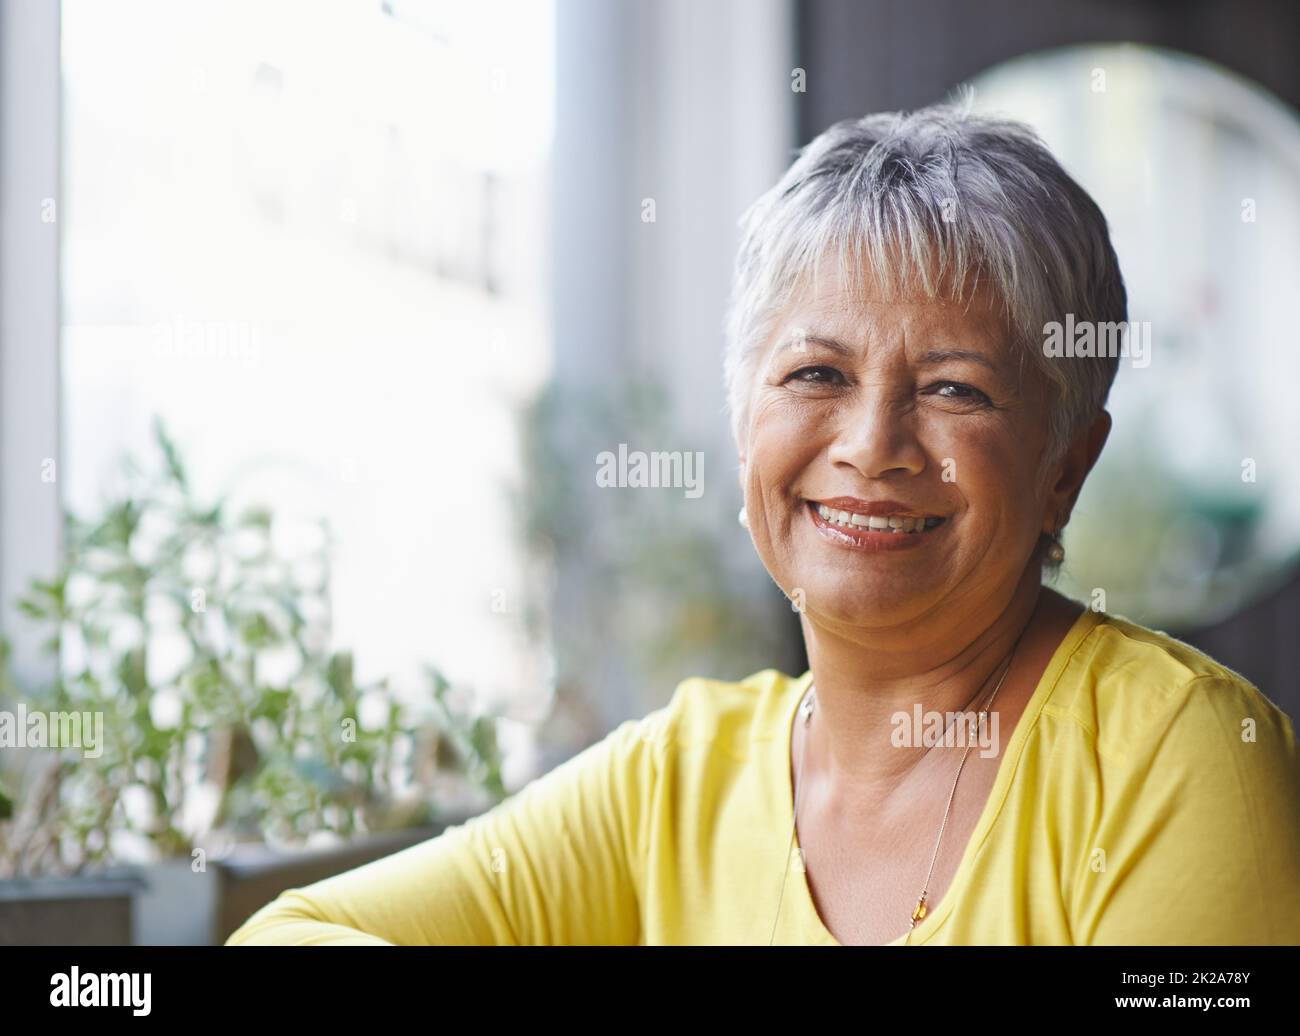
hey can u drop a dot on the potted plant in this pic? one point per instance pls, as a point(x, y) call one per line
point(231, 725)
point(655, 585)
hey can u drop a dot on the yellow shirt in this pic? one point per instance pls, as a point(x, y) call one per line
point(1148, 795)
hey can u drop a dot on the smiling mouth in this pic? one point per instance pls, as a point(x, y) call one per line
point(896, 525)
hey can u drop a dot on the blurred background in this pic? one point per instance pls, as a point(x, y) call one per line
point(315, 318)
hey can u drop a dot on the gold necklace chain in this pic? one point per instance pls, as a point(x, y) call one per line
point(806, 707)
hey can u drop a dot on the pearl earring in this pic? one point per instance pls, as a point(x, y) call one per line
point(1056, 552)
point(743, 518)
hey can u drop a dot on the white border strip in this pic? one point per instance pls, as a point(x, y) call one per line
point(30, 511)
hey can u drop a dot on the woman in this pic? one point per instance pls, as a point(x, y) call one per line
point(971, 757)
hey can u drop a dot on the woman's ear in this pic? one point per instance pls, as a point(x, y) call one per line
point(1075, 466)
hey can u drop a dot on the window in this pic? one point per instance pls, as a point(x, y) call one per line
point(310, 237)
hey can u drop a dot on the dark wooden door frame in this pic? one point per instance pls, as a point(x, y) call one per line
point(862, 56)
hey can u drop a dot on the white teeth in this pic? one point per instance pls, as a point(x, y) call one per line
point(900, 524)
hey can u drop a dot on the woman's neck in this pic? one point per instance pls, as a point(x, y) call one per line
point(943, 664)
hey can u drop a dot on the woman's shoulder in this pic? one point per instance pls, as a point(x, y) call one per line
point(1130, 686)
point(1176, 789)
point(1173, 784)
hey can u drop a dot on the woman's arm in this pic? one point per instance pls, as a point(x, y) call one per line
point(560, 862)
point(1199, 836)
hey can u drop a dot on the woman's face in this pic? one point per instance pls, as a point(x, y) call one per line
point(859, 400)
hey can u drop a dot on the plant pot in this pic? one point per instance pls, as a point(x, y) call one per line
point(75, 911)
point(169, 903)
point(176, 905)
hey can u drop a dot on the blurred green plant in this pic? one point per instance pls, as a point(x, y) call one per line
point(228, 715)
point(652, 581)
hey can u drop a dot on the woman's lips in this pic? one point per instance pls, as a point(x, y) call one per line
point(862, 538)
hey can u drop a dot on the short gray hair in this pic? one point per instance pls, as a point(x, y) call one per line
point(925, 199)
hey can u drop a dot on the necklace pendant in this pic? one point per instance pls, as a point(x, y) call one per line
point(920, 910)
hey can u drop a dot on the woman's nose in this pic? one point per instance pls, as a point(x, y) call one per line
point(875, 434)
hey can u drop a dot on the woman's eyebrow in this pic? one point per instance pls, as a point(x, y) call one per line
point(930, 358)
point(934, 357)
point(833, 344)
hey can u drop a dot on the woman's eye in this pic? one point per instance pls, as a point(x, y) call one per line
point(965, 393)
point(814, 375)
